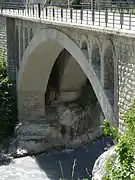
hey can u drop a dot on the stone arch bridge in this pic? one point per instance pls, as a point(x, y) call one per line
point(68, 79)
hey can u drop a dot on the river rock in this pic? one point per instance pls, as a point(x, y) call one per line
point(99, 167)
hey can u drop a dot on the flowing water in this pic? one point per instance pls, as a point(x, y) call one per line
point(47, 166)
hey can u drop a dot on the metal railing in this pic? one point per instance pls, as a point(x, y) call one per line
point(119, 15)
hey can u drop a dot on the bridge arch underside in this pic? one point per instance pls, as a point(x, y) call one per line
point(54, 72)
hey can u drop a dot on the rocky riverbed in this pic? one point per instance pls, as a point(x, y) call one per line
point(46, 166)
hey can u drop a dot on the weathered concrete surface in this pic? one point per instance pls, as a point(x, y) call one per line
point(70, 126)
point(78, 77)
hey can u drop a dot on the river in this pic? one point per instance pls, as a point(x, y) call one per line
point(47, 166)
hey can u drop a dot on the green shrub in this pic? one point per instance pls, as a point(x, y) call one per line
point(8, 111)
point(76, 4)
point(109, 130)
point(123, 167)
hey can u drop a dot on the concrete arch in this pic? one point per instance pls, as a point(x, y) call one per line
point(36, 66)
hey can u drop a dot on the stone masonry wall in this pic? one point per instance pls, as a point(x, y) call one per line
point(3, 39)
point(126, 74)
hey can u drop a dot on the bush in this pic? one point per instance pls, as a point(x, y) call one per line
point(123, 167)
point(8, 111)
point(109, 130)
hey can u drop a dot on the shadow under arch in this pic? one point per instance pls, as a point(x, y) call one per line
point(54, 81)
point(85, 49)
point(36, 66)
point(96, 59)
point(109, 58)
point(84, 45)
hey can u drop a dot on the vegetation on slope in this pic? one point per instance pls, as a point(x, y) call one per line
point(123, 167)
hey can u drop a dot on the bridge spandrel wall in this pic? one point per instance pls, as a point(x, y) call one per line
point(126, 74)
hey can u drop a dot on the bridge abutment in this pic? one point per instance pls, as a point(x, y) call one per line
point(33, 105)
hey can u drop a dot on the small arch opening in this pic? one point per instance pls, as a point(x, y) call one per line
point(108, 82)
point(84, 48)
point(31, 34)
point(26, 37)
point(96, 60)
point(84, 45)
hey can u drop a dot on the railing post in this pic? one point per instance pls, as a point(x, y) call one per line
point(18, 10)
point(46, 11)
point(93, 11)
point(62, 13)
point(121, 18)
point(87, 15)
point(66, 13)
point(33, 10)
point(23, 11)
point(81, 13)
point(106, 17)
point(39, 10)
point(53, 13)
point(99, 16)
point(28, 8)
point(130, 21)
point(93, 15)
point(113, 18)
point(71, 14)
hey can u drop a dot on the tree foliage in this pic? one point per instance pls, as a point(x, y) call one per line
point(8, 112)
point(123, 166)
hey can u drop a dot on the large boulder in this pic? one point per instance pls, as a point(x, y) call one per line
point(99, 167)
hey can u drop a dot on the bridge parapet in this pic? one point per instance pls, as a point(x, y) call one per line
point(113, 15)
